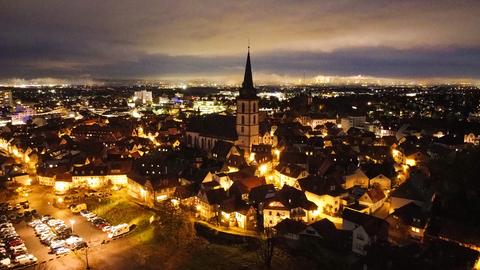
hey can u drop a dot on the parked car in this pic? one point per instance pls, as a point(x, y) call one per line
point(107, 228)
point(77, 208)
point(119, 230)
point(62, 250)
point(26, 259)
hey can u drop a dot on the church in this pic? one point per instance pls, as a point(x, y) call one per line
point(242, 129)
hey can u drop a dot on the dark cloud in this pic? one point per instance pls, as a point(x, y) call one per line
point(138, 39)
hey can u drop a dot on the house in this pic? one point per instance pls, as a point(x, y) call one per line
point(290, 203)
point(236, 213)
point(149, 189)
point(416, 157)
point(366, 230)
point(235, 163)
point(376, 154)
point(288, 174)
point(196, 176)
point(208, 203)
point(185, 194)
point(260, 194)
point(46, 175)
point(323, 229)
point(117, 171)
point(267, 136)
point(22, 179)
point(222, 150)
point(409, 220)
point(383, 182)
point(357, 178)
point(326, 194)
point(373, 198)
point(289, 229)
point(262, 153)
point(223, 180)
point(91, 175)
point(326, 233)
point(243, 186)
point(416, 189)
point(471, 138)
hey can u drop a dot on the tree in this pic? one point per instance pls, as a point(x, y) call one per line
point(174, 226)
point(265, 249)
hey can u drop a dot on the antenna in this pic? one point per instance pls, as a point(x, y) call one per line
point(248, 44)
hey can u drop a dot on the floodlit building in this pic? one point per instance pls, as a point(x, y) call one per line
point(6, 99)
point(353, 122)
point(208, 106)
point(143, 96)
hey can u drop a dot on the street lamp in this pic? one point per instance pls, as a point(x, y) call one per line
point(71, 223)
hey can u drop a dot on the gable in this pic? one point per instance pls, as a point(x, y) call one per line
point(275, 204)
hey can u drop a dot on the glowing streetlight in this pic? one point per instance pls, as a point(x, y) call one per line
point(263, 169)
point(71, 223)
point(277, 153)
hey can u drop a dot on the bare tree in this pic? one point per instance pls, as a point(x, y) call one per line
point(265, 250)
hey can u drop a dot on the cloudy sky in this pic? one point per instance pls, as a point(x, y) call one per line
point(205, 38)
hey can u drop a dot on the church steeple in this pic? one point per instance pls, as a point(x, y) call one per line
point(248, 90)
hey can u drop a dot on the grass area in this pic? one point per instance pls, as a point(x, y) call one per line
point(221, 257)
point(119, 209)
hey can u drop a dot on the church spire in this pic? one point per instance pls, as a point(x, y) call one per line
point(247, 86)
point(247, 79)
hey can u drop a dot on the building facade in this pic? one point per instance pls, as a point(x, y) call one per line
point(6, 99)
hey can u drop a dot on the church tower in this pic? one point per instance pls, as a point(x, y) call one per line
point(247, 111)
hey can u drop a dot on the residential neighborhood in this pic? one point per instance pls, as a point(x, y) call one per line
point(348, 183)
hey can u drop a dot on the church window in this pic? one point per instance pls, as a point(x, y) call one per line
point(254, 120)
point(243, 107)
point(243, 120)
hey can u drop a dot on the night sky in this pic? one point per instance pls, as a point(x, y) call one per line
point(121, 39)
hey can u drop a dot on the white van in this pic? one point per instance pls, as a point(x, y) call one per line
point(119, 230)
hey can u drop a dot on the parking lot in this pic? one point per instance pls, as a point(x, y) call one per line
point(103, 252)
point(41, 200)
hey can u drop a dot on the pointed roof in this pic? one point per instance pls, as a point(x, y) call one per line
point(248, 90)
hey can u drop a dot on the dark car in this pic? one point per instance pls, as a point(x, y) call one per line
point(79, 245)
point(17, 220)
